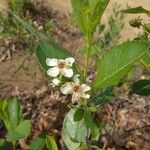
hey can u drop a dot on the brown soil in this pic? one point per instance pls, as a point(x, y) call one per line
point(12, 73)
point(128, 117)
point(20, 75)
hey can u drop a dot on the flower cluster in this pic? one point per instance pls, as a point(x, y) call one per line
point(60, 68)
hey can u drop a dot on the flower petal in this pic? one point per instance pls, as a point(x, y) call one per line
point(69, 61)
point(67, 88)
point(55, 81)
point(53, 72)
point(76, 78)
point(67, 72)
point(76, 97)
point(86, 96)
point(51, 62)
point(61, 61)
point(85, 87)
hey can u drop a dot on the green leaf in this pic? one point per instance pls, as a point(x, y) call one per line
point(88, 118)
point(32, 30)
point(95, 131)
point(105, 96)
point(4, 145)
point(147, 27)
point(146, 57)
point(21, 131)
point(38, 143)
point(78, 114)
point(51, 144)
point(47, 40)
point(4, 114)
point(136, 10)
point(4, 110)
point(88, 14)
point(14, 136)
point(74, 133)
point(141, 87)
point(70, 144)
point(46, 50)
point(98, 7)
point(51, 50)
point(81, 11)
point(24, 128)
point(118, 61)
point(14, 113)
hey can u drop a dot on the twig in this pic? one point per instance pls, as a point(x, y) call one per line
point(20, 66)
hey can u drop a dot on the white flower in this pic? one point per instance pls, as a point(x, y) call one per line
point(76, 89)
point(55, 82)
point(60, 66)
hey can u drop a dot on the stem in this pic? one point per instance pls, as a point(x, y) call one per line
point(14, 145)
point(86, 57)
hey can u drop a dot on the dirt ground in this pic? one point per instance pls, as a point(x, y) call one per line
point(20, 75)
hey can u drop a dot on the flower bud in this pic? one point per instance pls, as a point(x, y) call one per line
point(55, 82)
